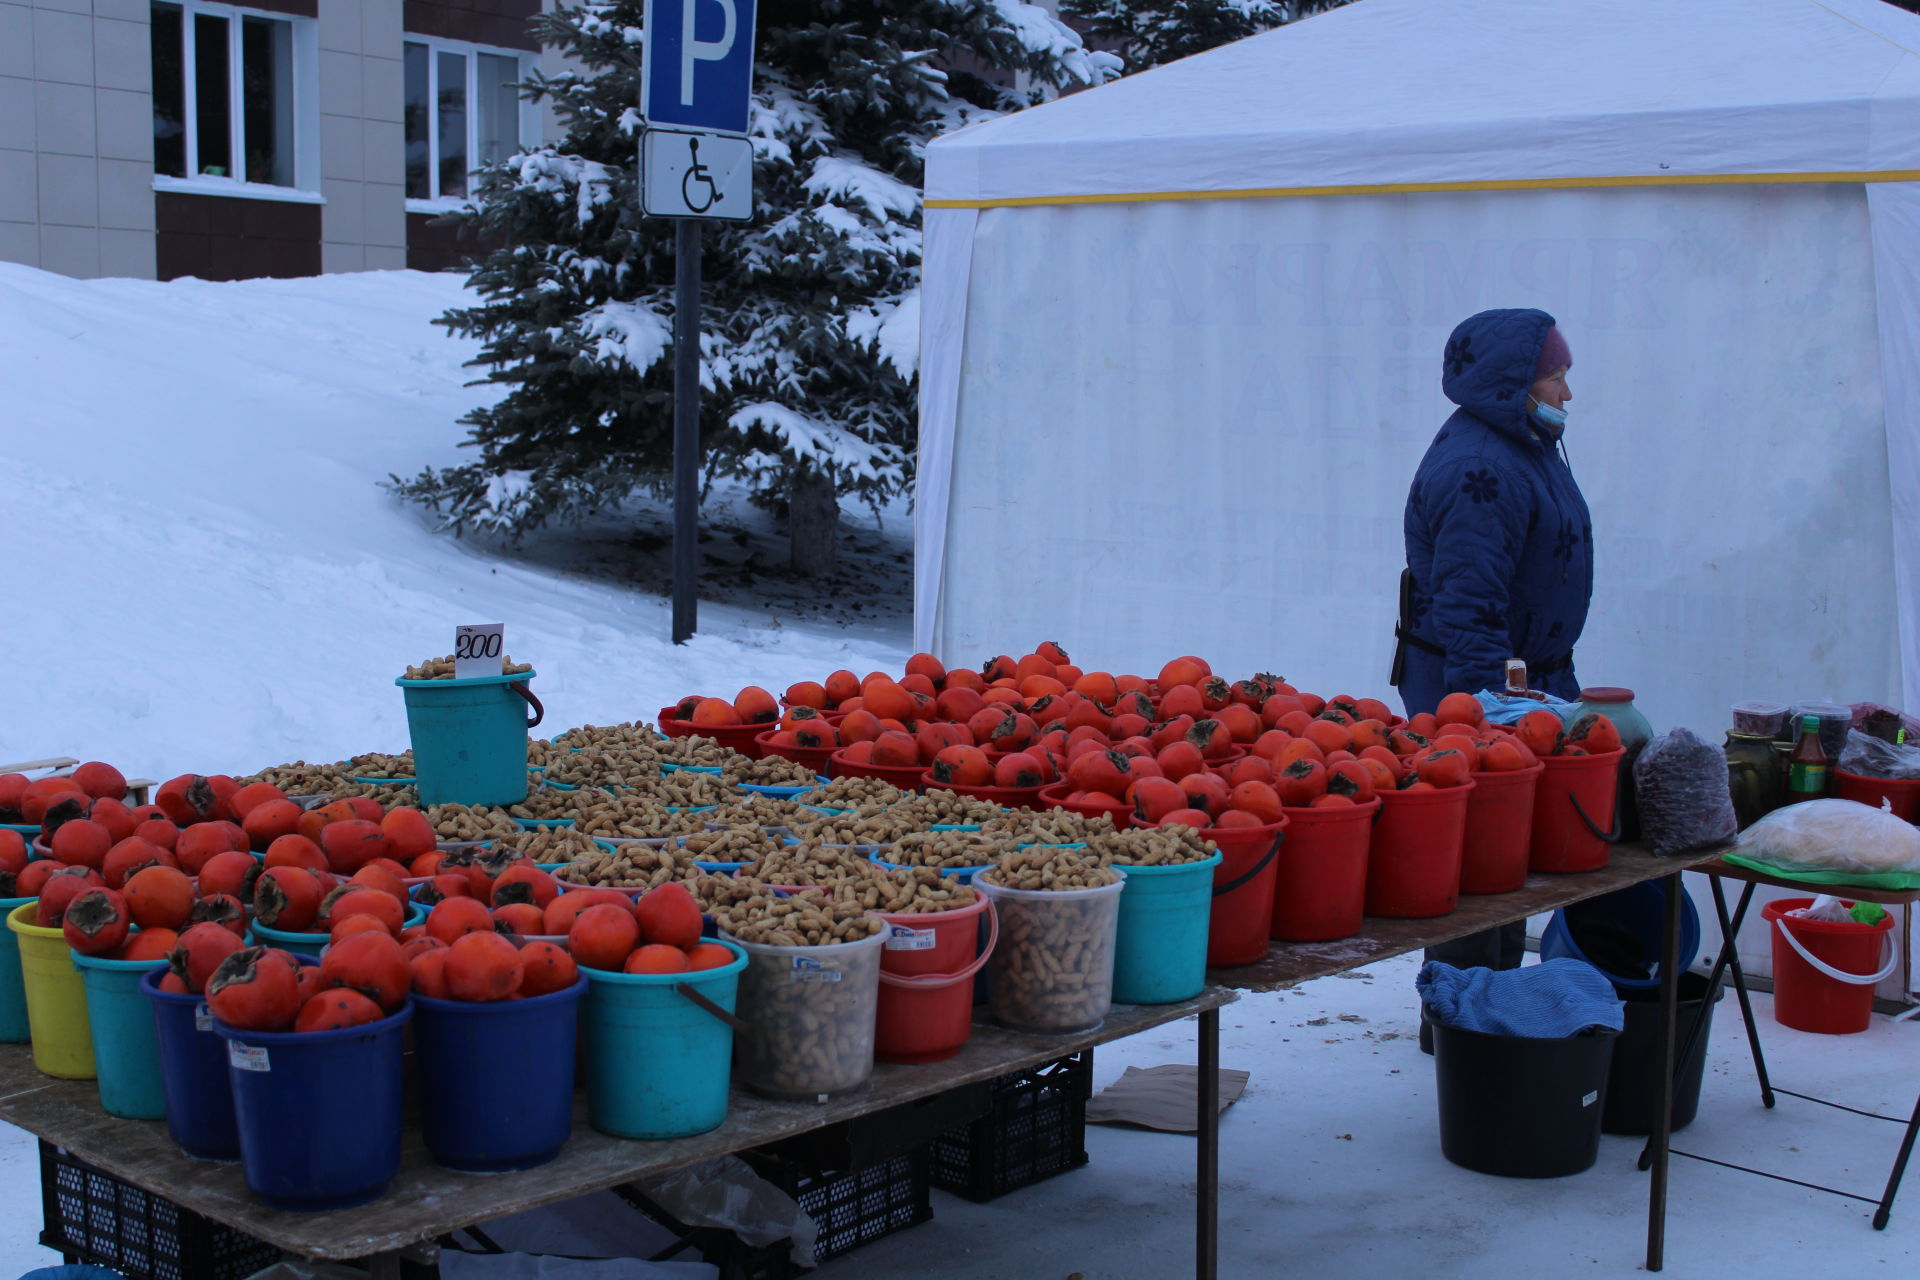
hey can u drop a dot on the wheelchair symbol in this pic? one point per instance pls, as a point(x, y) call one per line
point(696, 174)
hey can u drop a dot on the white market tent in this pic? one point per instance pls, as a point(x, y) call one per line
point(1181, 340)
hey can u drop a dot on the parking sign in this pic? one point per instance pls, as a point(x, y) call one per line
point(697, 64)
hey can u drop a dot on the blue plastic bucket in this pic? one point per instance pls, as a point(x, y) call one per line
point(312, 944)
point(1639, 911)
point(1160, 955)
point(126, 1054)
point(318, 1111)
point(528, 1045)
point(193, 1073)
point(780, 793)
point(469, 738)
point(14, 1028)
point(658, 1063)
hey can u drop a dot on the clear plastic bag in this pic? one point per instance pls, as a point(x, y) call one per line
point(1834, 835)
point(1866, 756)
point(1680, 782)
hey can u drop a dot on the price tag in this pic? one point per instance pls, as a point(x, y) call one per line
point(247, 1057)
point(477, 649)
point(202, 1019)
point(903, 938)
point(806, 969)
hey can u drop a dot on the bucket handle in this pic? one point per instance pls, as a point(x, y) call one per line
point(701, 1002)
point(1841, 975)
point(1605, 837)
point(1273, 851)
point(539, 712)
point(936, 981)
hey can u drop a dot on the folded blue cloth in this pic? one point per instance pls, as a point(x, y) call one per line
point(1501, 709)
point(1545, 1001)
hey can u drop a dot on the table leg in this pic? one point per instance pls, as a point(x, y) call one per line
point(1729, 931)
point(1663, 1076)
point(384, 1266)
point(1885, 1210)
point(1207, 1182)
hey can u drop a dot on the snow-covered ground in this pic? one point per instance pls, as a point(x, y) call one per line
point(203, 575)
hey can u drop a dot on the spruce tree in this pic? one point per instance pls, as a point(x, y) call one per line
point(1146, 33)
point(810, 314)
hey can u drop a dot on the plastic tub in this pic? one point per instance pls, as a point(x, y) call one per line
point(1498, 839)
point(527, 1046)
point(1053, 970)
point(470, 738)
point(908, 777)
point(318, 1111)
point(1055, 797)
point(810, 1015)
point(1243, 892)
point(193, 1073)
point(1629, 916)
point(125, 1051)
point(1005, 797)
point(815, 758)
point(1759, 719)
point(56, 998)
point(1160, 946)
point(1519, 1107)
point(1824, 972)
point(736, 737)
point(1902, 795)
point(1573, 813)
point(1413, 863)
point(657, 1061)
point(14, 1028)
point(1835, 719)
point(1320, 877)
point(925, 1011)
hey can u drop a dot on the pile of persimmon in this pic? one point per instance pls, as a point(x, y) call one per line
point(658, 932)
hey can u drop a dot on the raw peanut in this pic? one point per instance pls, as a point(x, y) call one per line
point(628, 867)
point(948, 808)
point(374, 764)
point(302, 779)
point(852, 793)
point(1151, 847)
point(945, 849)
point(773, 771)
point(733, 844)
point(442, 668)
point(546, 805)
point(551, 844)
point(1053, 966)
point(471, 822)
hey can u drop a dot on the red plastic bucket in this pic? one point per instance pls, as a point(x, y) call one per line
point(1243, 891)
point(1413, 866)
point(1320, 877)
point(926, 982)
point(1824, 972)
point(815, 758)
point(1055, 797)
point(907, 777)
point(1494, 853)
point(1005, 797)
point(1573, 822)
point(739, 737)
point(1903, 795)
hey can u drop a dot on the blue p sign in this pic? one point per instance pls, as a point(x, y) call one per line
point(697, 66)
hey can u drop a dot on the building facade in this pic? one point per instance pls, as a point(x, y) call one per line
point(166, 138)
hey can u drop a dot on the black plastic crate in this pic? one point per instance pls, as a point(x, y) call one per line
point(1035, 1128)
point(855, 1207)
point(92, 1216)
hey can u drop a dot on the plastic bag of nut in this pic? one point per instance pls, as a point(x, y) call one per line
point(1059, 912)
point(809, 994)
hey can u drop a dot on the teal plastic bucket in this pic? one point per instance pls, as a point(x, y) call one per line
point(470, 738)
point(13, 992)
point(657, 1062)
point(1160, 956)
point(126, 1050)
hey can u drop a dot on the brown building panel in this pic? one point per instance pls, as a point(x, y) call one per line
point(503, 23)
point(298, 8)
point(432, 248)
point(223, 238)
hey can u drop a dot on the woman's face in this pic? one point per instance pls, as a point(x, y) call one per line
point(1552, 390)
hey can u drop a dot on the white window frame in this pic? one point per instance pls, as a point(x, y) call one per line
point(529, 113)
point(305, 107)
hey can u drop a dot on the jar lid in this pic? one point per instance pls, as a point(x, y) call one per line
point(1606, 693)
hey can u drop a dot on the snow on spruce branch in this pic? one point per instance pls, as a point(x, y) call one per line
point(627, 333)
point(825, 445)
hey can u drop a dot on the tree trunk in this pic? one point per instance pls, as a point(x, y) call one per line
point(813, 523)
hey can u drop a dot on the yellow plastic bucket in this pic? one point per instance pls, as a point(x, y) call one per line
point(56, 999)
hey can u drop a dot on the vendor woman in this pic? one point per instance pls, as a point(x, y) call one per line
point(1499, 542)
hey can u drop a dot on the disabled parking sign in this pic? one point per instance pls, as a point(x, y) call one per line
point(696, 175)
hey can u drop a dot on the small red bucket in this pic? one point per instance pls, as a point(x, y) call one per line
point(738, 737)
point(815, 758)
point(1243, 891)
point(1413, 866)
point(1005, 797)
point(1902, 794)
point(1573, 821)
point(1320, 877)
point(926, 982)
point(905, 776)
point(1824, 972)
point(1055, 797)
point(1493, 856)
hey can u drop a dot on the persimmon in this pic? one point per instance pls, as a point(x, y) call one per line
point(482, 966)
point(1596, 733)
point(887, 700)
point(408, 833)
point(966, 678)
point(919, 686)
point(545, 967)
point(654, 958)
point(1541, 731)
point(1240, 721)
point(1295, 722)
point(709, 955)
point(1258, 799)
point(1392, 763)
point(160, 897)
point(149, 944)
point(1206, 791)
point(428, 972)
point(1021, 769)
point(1128, 725)
point(806, 693)
point(602, 937)
point(1444, 769)
point(998, 667)
point(1099, 686)
point(755, 705)
point(82, 843)
point(1198, 819)
point(1328, 736)
point(1301, 783)
point(1280, 704)
point(1212, 738)
point(958, 703)
point(1179, 759)
point(1508, 755)
point(1154, 798)
point(1423, 724)
point(1351, 778)
point(1383, 776)
point(518, 917)
point(1368, 733)
point(715, 713)
point(1405, 742)
point(1102, 771)
point(1187, 670)
point(268, 820)
point(896, 749)
point(967, 766)
point(1299, 749)
point(1460, 708)
point(129, 856)
point(1232, 818)
point(1249, 768)
point(860, 726)
point(1182, 700)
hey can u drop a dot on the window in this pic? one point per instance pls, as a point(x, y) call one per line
point(463, 111)
point(227, 100)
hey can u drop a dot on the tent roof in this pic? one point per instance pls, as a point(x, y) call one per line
point(1387, 93)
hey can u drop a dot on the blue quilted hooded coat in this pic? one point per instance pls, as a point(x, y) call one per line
point(1498, 537)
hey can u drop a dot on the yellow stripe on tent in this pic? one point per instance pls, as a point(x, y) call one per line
point(1419, 188)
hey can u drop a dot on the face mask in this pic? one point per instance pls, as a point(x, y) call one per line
point(1554, 420)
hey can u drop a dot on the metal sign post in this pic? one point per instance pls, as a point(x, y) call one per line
point(696, 81)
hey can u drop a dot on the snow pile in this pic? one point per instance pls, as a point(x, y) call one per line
point(204, 574)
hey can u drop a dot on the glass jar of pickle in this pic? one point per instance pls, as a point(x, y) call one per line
point(1753, 777)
